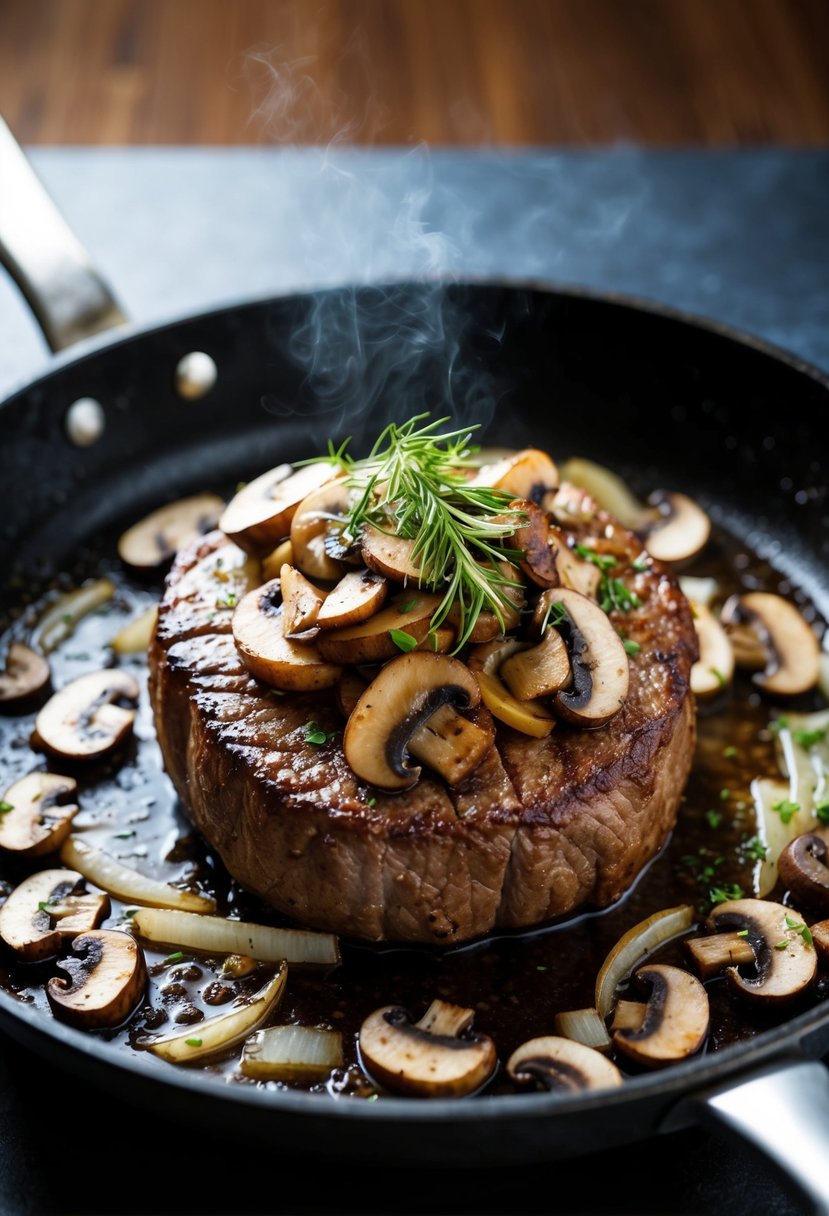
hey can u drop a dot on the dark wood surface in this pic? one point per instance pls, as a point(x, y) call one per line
point(707, 73)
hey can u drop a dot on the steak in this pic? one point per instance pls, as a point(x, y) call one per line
point(542, 828)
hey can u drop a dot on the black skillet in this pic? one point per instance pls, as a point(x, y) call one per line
point(664, 398)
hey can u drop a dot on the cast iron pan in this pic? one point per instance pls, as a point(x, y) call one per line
point(664, 398)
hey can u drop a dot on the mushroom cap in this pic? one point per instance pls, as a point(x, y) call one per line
point(675, 1020)
point(405, 1057)
point(153, 540)
point(372, 641)
point(528, 474)
point(320, 516)
point(357, 596)
point(105, 983)
point(792, 648)
point(82, 721)
point(259, 515)
point(405, 693)
point(530, 717)
point(41, 815)
point(271, 656)
point(563, 1065)
point(714, 669)
point(785, 964)
point(681, 529)
point(532, 537)
point(26, 675)
point(598, 661)
point(25, 923)
point(803, 868)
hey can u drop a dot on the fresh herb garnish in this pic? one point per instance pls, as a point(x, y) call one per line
point(123, 835)
point(786, 809)
point(742, 932)
point(193, 1042)
point(372, 802)
point(402, 640)
point(713, 818)
point(808, 738)
point(615, 596)
point(725, 794)
point(229, 600)
point(800, 927)
point(5, 807)
point(555, 615)
point(605, 561)
point(409, 605)
point(414, 484)
point(43, 905)
point(730, 753)
point(641, 564)
point(315, 734)
point(822, 811)
point(718, 676)
point(721, 895)
point(781, 723)
point(755, 850)
point(630, 646)
point(175, 957)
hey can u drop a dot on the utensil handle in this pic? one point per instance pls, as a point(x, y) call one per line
point(68, 297)
point(784, 1112)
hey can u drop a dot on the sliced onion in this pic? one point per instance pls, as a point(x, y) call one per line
point(136, 635)
point(584, 1026)
point(699, 590)
point(608, 489)
point(772, 829)
point(635, 944)
point(126, 884)
point(214, 1036)
point(216, 935)
point(59, 620)
point(292, 1053)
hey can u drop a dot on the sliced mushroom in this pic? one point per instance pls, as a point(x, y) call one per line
point(804, 871)
point(266, 651)
point(528, 474)
point(787, 645)
point(152, 541)
point(301, 601)
point(25, 924)
point(675, 1020)
point(529, 717)
point(322, 512)
point(532, 538)
point(785, 964)
point(820, 937)
point(562, 1066)
point(83, 720)
point(106, 981)
point(539, 671)
point(677, 530)
point(711, 955)
point(259, 515)
point(41, 814)
point(573, 571)
point(609, 490)
point(390, 555)
point(714, 669)
point(452, 745)
point(400, 701)
point(272, 563)
point(598, 662)
point(427, 1059)
point(26, 676)
point(372, 641)
point(355, 598)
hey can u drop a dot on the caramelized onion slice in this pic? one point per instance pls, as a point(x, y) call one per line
point(585, 1026)
point(125, 883)
point(136, 635)
point(215, 935)
point(60, 619)
point(633, 946)
point(214, 1036)
point(292, 1053)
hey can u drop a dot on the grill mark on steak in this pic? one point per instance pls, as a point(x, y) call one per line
point(542, 828)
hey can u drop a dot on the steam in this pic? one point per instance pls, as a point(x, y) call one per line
point(388, 343)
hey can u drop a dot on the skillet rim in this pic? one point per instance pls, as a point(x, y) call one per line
point(681, 1081)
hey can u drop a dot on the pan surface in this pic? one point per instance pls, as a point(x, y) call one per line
point(663, 399)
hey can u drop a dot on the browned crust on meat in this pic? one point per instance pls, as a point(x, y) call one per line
point(544, 827)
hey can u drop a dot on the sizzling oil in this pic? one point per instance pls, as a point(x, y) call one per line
point(515, 983)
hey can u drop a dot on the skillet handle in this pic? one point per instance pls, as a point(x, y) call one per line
point(782, 1110)
point(66, 294)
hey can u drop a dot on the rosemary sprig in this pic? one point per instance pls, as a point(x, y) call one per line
point(414, 484)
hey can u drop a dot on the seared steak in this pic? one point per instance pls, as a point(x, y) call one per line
point(543, 827)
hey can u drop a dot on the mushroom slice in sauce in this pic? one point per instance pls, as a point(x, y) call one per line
point(714, 669)
point(25, 924)
point(301, 601)
point(394, 709)
point(152, 541)
point(268, 654)
point(539, 671)
point(599, 664)
point(26, 675)
point(356, 597)
point(562, 1066)
point(391, 555)
point(259, 515)
point(785, 962)
point(532, 537)
point(40, 811)
point(106, 981)
point(528, 474)
point(803, 867)
point(318, 519)
point(428, 1058)
point(674, 1022)
point(82, 721)
point(767, 630)
point(530, 717)
point(679, 528)
point(409, 617)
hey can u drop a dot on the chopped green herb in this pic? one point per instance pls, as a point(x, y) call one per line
point(123, 835)
point(409, 605)
point(43, 905)
point(725, 794)
point(67, 618)
point(721, 895)
point(5, 807)
point(80, 657)
point(755, 850)
point(229, 600)
point(554, 616)
point(615, 596)
point(631, 647)
point(315, 734)
point(782, 945)
point(372, 802)
point(193, 1042)
point(641, 564)
point(372, 1097)
point(713, 818)
point(742, 932)
point(801, 928)
point(730, 753)
point(808, 738)
point(718, 676)
point(540, 967)
point(175, 957)
point(605, 561)
point(786, 809)
point(402, 640)
point(130, 913)
point(779, 724)
point(822, 811)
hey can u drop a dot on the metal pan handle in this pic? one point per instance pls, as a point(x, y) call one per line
point(68, 297)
